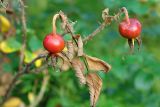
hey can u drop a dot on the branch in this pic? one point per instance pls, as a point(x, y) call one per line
point(42, 91)
point(107, 20)
point(18, 75)
point(24, 30)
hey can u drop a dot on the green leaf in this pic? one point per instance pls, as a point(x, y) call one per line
point(34, 43)
point(10, 45)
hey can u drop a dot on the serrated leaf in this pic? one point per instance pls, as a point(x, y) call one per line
point(79, 67)
point(70, 53)
point(94, 83)
point(96, 64)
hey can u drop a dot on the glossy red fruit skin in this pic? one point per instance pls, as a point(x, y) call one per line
point(131, 30)
point(53, 43)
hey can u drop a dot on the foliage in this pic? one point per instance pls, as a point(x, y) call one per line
point(133, 80)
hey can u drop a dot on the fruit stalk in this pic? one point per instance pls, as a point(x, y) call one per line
point(54, 23)
point(124, 10)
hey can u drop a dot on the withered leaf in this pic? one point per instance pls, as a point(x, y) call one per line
point(63, 63)
point(80, 46)
point(79, 67)
point(94, 83)
point(96, 64)
point(70, 53)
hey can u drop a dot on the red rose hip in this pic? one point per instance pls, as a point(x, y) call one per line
point(54, 43)
point(131, 29)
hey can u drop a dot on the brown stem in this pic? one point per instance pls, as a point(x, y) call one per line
point(108, 19)
point(24, 30)
point(124, 10)
point(17, 76)
point(54, 23)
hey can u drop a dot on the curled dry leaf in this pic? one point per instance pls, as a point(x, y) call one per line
point(94, 83)
point(105, 13)
point(96, 64)
point(79, 67)
point(80, 45)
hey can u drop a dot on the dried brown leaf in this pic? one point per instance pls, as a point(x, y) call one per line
point(80, 45)
point(63, 62)
point(79, 67)
point(94, 83)
point(70, 53)
point(96, 64)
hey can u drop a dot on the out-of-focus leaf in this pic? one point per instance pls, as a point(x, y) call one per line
point(31, 97)
point(13, 102)
point(34, 43)
point(38, 62)
point(10, 45)
point(29, 56)
point(4, 24)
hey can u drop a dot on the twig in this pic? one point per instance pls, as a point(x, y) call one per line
point(90, 36)
point(42, 91)
point(24, 30)
point(18, 75)
point(107, 20)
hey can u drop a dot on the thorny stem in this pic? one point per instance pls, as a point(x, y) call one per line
point(106, 22)
point(90, 36)
point(124, 10)
point(54, 23)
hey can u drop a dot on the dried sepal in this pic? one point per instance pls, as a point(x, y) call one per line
point(139, 41)
point(79, 68)
point(94, 83)
point(131, 45)
point(95, 64)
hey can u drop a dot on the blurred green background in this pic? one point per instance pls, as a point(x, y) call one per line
point(134, 80)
